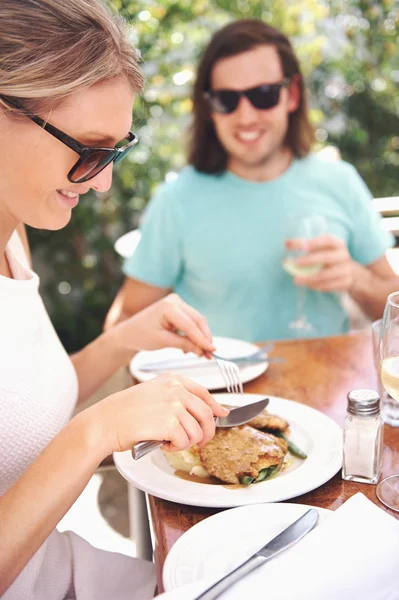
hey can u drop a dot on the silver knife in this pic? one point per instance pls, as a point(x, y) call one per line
point(191, 362)
point(284, 540)
point(177, 364)
point(237, 416)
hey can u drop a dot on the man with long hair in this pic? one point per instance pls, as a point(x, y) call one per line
point(216, 235)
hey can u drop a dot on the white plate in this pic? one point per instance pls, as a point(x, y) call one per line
point(127, 243)
point(221, 542)
point(315, 433)
point(208, 375)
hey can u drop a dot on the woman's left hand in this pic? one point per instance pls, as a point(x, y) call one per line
point(168, 322)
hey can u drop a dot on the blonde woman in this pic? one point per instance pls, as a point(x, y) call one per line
point(68, 75)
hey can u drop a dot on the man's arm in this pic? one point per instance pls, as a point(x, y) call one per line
point(371, 286)
point(133, 296)
point(368, 285)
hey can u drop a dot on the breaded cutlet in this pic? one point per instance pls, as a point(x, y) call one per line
point(236, 452)
point(268, 422)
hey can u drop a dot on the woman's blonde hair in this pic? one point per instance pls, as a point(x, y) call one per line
point(50, 49)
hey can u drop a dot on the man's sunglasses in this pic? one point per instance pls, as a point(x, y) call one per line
point(92, 160)
point(261, 97)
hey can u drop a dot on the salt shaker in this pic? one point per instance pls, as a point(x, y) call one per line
point(363, 437)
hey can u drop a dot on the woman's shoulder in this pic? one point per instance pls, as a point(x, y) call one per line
point(18, 256)
point(19, 247)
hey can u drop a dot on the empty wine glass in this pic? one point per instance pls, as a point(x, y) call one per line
point(388, 488)
point(304, 227)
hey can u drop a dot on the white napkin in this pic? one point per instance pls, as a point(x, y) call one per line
point(352, 555)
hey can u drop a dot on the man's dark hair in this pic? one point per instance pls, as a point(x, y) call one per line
point(206, 153)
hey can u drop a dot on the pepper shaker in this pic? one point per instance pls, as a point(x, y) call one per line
point(363, 437)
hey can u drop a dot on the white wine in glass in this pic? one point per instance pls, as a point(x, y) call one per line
point(388, 489)
point(304, 227)
point(390, 376)
point(290, 265)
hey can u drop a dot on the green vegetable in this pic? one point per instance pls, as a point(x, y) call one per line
point(273, 470)
point(263, 474)
point(246, 480)
point(292, 448)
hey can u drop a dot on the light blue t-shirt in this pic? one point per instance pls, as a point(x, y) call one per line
point(218, 241)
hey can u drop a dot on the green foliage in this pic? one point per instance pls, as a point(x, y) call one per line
point(363, 98)
point(348, 51)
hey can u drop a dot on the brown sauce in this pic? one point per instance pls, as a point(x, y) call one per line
point(196, 479)
point(288, 466)
point(234, 486)
point(209, 480)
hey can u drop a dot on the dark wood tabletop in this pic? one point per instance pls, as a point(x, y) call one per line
point(319, 373)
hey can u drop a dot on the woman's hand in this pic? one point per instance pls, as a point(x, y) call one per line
point(167, 322)
point(162, 324)
point(169, 407)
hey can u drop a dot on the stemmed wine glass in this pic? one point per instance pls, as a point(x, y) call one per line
point(388, 488)
point(305, 227)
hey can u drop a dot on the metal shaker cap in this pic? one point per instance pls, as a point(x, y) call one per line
point(363, 403)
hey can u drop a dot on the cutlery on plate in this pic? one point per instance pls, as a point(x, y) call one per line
point(262, 350)
point(195, 363)
point(186, 361)
point(236, 416)
point(284, 540)
point(231, 376)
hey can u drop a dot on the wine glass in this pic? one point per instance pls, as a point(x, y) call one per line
point(305, 227)
point(389, 406)
point(388, 488)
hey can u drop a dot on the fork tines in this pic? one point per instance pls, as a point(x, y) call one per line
point(231, 375)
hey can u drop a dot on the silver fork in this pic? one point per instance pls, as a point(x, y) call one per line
point(231, 375)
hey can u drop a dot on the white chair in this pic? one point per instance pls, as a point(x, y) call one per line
point(139, 527)
point(389, 210)
point(127, 243)
point(139, 522)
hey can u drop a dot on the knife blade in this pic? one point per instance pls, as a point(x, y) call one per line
point(242, 414)
point(284, 540)
point(236, 416)
point(179, 364)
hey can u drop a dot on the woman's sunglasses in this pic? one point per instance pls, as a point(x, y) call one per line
point(92, 160)
point(261, 97)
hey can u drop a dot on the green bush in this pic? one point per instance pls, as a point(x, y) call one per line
point(348, 51)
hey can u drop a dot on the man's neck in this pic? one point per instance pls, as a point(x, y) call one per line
point(271, 169)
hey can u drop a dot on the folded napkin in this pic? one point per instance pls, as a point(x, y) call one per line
point(351, 555)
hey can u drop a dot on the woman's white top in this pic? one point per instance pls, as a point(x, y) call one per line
point(38, 392)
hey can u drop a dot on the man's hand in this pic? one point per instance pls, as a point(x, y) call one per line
point(338, 271)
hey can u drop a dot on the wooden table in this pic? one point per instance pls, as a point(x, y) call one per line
point(319, 373)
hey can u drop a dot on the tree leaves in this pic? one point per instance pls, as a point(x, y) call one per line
point(348, 51)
